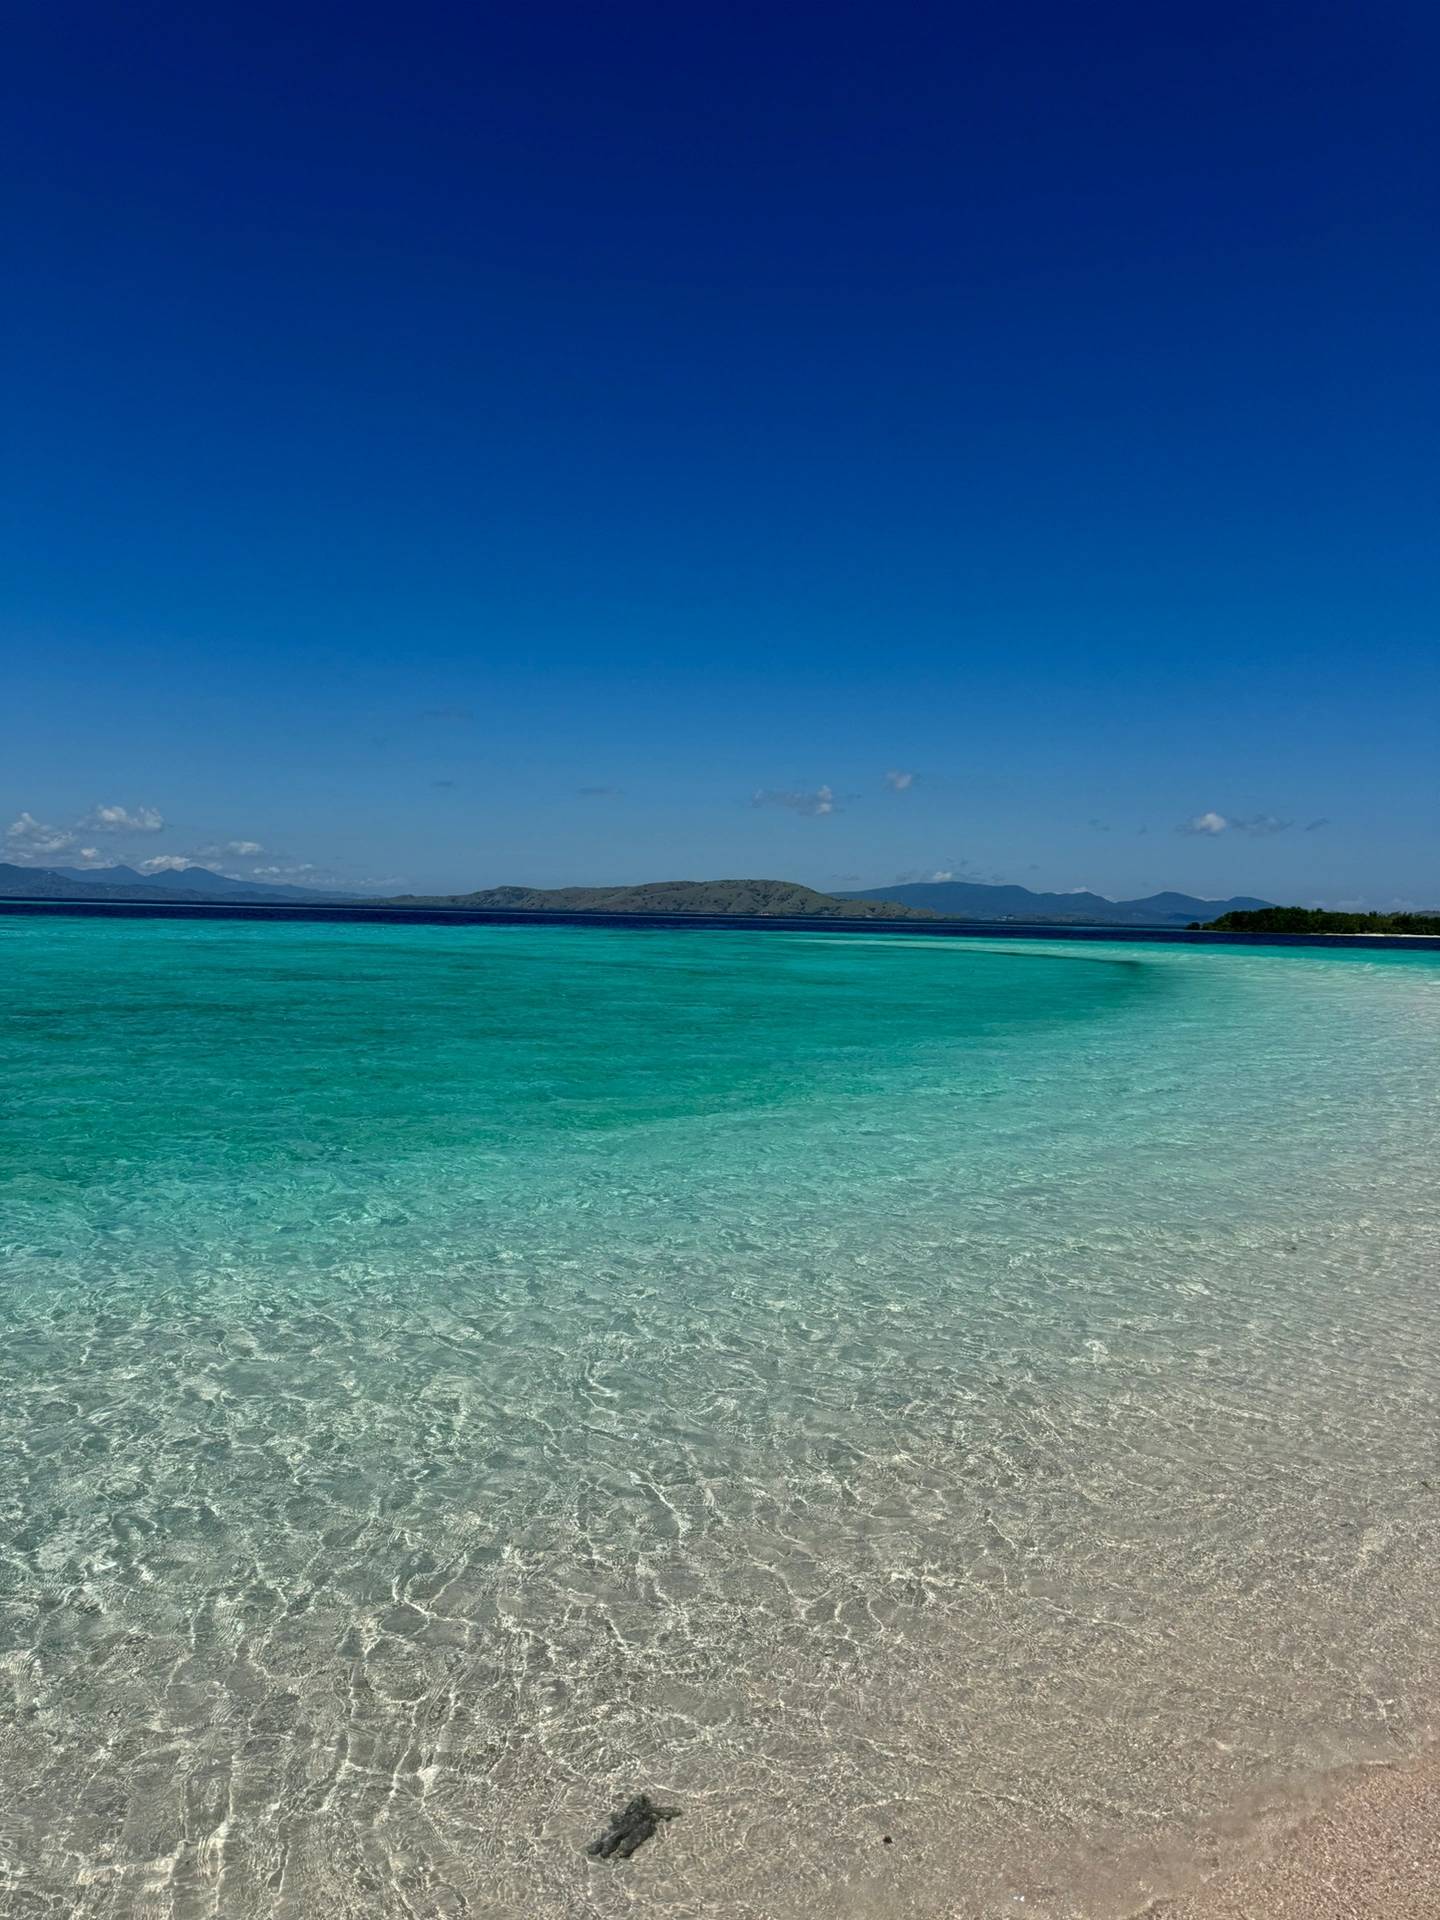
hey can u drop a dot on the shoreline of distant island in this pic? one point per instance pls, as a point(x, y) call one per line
point(949, 900)
point(939, 906)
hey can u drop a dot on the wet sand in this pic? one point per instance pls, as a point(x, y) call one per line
point(1372, 1855)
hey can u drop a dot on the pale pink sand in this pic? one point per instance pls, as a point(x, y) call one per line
point(1373, 1855)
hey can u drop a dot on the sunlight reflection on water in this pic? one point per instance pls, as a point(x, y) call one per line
point(455, 1380)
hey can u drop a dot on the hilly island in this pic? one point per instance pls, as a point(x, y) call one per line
point(751, 899)
point(745, 899)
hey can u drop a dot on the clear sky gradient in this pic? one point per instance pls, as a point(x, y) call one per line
point(453, 443)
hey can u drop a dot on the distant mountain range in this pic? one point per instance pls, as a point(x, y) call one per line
point(756, 899)
point(970, 900)
point(764, 899)
point(194, 884)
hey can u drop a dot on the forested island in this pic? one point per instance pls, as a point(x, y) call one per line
point(1315, 920)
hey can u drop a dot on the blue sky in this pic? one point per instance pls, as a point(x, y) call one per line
point(462, 444)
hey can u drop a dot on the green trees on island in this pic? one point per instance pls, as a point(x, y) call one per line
point(1314, 920)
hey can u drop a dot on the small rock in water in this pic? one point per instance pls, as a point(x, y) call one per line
point(632, 1828)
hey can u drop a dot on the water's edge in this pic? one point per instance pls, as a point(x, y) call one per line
point(981, 1393)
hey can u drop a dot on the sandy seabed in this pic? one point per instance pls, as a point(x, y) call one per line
point(979, 1400)
point(1373, 1854)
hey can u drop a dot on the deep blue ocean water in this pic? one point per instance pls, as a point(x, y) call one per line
point(455, 1378)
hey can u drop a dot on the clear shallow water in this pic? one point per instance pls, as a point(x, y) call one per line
point(454, 1379)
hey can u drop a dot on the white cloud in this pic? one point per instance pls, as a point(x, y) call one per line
point(243, 847)
point(102, 819)
point(34, 842)
point(899, 782)
point(1315, 826)
point(31, 839)
point(1211, 823)
point(303, 866)
point(167, 863)
point(822, 800)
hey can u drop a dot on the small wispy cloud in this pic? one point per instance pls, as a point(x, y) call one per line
point(103, 819)
point(899, 782)
point(1315, 826)
point(1213, 823)
point(168, 863)
point(822, 800)
point(33, 839)
point(30, 841)
point(210, 855)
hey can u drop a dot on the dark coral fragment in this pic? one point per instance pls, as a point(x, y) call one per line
point(639, 1822)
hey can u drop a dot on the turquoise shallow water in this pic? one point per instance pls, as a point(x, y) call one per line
point(454, 1379)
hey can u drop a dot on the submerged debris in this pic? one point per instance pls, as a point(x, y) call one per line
point(632, 1828)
